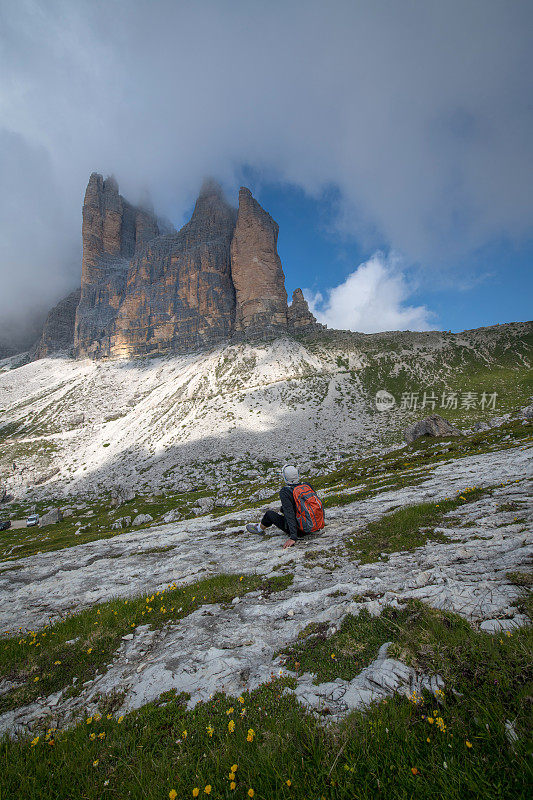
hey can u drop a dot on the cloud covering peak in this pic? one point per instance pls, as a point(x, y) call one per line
point(417, 112)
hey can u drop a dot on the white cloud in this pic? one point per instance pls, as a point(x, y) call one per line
point(372, 298)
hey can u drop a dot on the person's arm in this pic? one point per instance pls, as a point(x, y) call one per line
point(287, 504)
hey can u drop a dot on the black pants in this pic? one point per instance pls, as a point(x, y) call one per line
point(272, 517)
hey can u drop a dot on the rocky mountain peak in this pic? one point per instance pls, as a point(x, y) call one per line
point(256, 268)
point(298, 314)
point(147, 288)
point(212, 208)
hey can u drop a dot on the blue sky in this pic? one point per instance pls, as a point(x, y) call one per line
point(490, 286)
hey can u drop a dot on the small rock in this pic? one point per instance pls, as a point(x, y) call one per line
point(510, 731)
point(172, 516)
point(128, 636)
point(142, 519)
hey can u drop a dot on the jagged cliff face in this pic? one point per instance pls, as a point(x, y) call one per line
point(112, 231)
point(147, 291)
point(179, 293)
point(58, 330)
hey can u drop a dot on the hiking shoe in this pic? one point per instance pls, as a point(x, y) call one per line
point(254, 527)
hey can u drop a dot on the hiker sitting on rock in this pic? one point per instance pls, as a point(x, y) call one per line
point(302, 510)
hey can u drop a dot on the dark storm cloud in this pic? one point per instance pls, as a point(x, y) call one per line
point(420, 112)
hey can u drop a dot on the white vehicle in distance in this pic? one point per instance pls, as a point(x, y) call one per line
point(32, 520)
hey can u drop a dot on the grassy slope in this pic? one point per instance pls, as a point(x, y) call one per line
point(454, 745)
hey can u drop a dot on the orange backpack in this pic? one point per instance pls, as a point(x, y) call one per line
point(309, 509)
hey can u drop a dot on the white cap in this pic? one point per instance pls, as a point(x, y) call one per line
point(290, 474)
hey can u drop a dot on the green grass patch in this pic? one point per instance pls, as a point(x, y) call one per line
point(40, 663)
point(406, 529)
point(345, 653)
point(455, 746)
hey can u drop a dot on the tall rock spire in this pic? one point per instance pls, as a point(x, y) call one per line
point(298, 315)
point(261, 299)
point(112, 231)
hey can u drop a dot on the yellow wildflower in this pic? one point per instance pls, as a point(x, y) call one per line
point(101, 735)
point(109, 716)
point(90, 650)
point(468, 744)
point(232, 785)
point(184, 734)
point(250, 792)
point(234, 767)
point(97, 717)
point(172, 794)
point(241, 700)
point(34, 741)
point(95, 762)
point(35, 680)
point(92, 736)
point(119, 720)
point(289, 782)
point(414, 770)
point(210, 730)
point(195, 792)
point(207, 789)
point(56, 663)
point(231, 776)
point(89, 720)
point(231, 726)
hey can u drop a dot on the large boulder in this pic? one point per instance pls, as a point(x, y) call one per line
point(51, 517)
point(204, 505)
point(434, 425)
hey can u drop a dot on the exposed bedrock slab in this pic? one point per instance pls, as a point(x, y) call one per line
point(234, 648)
